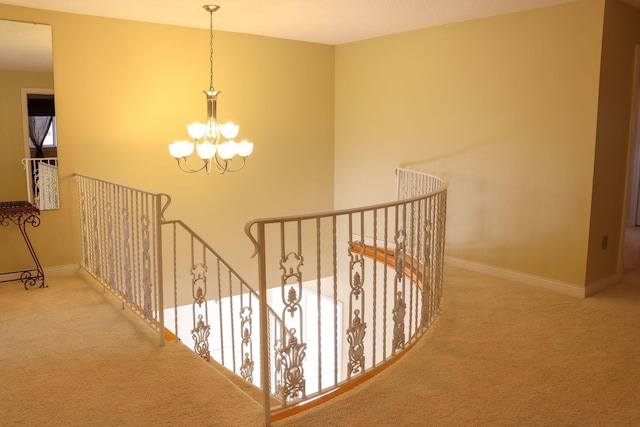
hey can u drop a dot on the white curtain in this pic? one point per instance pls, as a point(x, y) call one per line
point(38, 129)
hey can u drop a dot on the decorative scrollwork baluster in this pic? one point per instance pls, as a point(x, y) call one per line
point(200, 335)
point(398, 322)
point(111, 278)
point(127, 252)
point(246, 370)
point(289, 357)
point(292, 299)
point(245, 324)
point(147, 288)
point(95, 235)
point(198, 283)
point(146, 266)
point(356, 267)
point(355, 338)
point(426, 309)
point(288, 270)
point(357, 327)
point(291, 351)
point(201, 328)
point(427, 276)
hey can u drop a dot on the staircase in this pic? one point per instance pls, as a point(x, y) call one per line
point(343, 292)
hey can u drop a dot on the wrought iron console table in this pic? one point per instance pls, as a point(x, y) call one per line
point(22, 213)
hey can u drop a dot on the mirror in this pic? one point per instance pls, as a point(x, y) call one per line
point(29, 162)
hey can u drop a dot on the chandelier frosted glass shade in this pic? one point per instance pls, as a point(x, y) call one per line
point(212, 143)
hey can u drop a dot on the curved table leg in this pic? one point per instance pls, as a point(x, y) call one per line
point(27, 277)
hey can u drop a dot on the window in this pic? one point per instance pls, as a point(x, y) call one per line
point(50, 140)
point(42, 118)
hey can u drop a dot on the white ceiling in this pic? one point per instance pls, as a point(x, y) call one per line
point(319, 21)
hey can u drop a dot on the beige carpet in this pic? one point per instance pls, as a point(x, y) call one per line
point(69, 356)
point(500, 353)
point(507, 354)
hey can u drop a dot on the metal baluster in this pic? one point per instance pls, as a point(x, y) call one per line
point(231, 320)
point(375, 284)
point(136, 217)
point(159, 279)
point(201, 328)
point(175, 277)
point(357, 323)
point(336, 366)
point(246, 327)
point(412, 245)
point(220, 316)
point(319, 299)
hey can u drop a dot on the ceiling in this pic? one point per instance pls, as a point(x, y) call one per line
point(320, 21)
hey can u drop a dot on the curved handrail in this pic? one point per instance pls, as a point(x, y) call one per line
point(329, 247)
point(340, 212)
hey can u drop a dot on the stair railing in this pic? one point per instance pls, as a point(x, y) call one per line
point(121, 244)
point(215, 311)
point(341, 294)
point(356, 288)
point(161, 269)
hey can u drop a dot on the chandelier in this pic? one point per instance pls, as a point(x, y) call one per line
point(213, 142)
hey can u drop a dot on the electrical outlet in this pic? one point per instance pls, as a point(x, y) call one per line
point(605, 242)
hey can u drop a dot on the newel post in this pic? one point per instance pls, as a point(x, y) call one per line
point(159, 278)
point(264, 328)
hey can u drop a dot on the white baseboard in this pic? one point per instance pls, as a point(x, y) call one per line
point(62, 270)
point(529, 279)
point(59, 270)
point(595, 287)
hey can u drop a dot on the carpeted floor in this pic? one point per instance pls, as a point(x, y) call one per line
point(500, 354)
point(69, 356)
point(506, 354)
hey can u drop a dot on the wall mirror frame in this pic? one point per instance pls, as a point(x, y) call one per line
point(26, 74)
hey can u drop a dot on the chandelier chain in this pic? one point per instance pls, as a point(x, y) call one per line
point(211, 50)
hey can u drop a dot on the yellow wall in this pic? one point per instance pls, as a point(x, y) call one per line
point(621, 35)
point(13, 184)
point(504, 108)
point(125, 89)
point(507, 108)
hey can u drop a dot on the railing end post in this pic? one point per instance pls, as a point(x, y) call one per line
point(264, 328)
